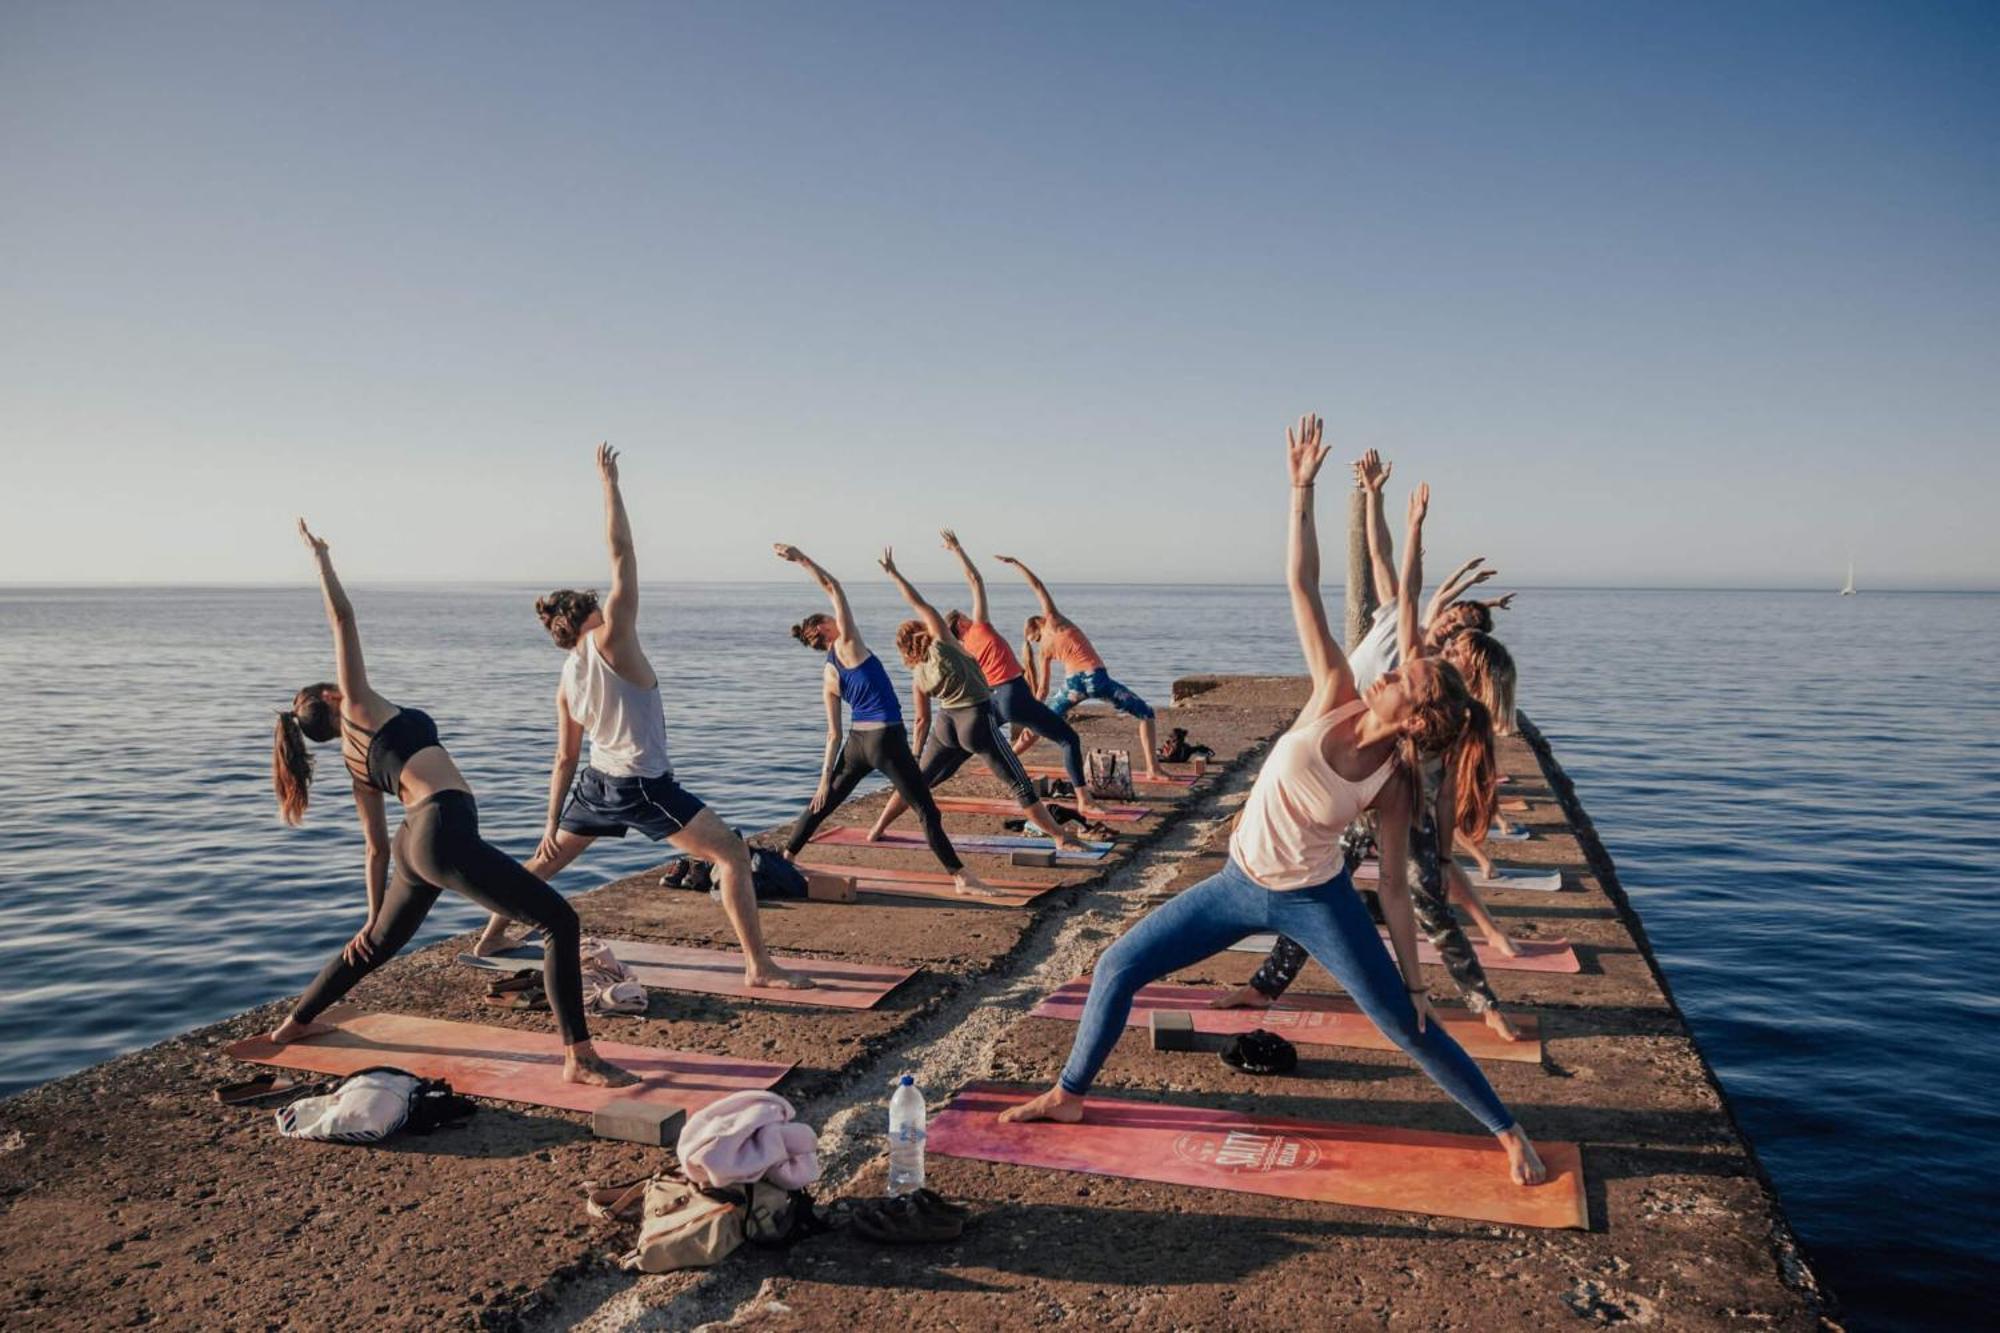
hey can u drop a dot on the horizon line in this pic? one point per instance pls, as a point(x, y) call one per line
point(12, 585)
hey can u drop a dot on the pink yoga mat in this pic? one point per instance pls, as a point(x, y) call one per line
point(1365, 1166)
point(1536, 955)
point(509, 1064)
point(1001, 844)
point(720, 972)
point(1311, 1020)
point(975, 805)
point(936, 885)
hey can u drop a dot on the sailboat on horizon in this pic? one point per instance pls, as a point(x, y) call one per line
point(1847, 588)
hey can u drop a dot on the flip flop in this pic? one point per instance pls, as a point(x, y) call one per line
point(265, 1087)
point(527, 978)
point(535, 1000)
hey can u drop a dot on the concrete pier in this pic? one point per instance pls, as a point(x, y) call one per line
point(128, 1197)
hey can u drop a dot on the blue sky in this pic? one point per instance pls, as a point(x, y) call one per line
point(1650, 293)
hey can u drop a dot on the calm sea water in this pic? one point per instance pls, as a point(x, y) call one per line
point(1801, 792)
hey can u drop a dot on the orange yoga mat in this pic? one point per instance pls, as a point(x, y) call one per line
point(1535, 880)
point(1311, 1020)
point(1364, 1166)
point(935, 884)
point(720, 972)
point(509, 1064)
point(1138, 779)
point(997, 844)
point(975, 805)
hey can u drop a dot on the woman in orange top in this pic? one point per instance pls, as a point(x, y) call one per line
point(1059, 640)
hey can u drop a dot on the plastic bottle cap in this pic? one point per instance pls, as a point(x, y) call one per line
point(906, 1080)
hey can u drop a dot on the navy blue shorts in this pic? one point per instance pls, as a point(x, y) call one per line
point(601, 806)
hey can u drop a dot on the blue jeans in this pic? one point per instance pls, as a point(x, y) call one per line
point(1328, 919)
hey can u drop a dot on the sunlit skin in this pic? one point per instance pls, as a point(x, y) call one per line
point(614, 627)
point(1353, 749)
point(427, 773)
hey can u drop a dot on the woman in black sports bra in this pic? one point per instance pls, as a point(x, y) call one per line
point(395, 751)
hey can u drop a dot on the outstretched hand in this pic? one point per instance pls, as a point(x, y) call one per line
point(1501, 603)
point(1007, 560)
point(1482, 576)
point(786, 551)
point(1303, 447)
point(888, 560)
point(1371, 473)
point(314, 544)
point(607, 464)
point(1420, 504)
point(950, 540)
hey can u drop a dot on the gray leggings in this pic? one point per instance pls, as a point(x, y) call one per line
point(957, 734)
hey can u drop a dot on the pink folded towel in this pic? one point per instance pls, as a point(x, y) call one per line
point(749, 1136)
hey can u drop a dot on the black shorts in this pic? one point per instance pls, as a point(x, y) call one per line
point(602, 806)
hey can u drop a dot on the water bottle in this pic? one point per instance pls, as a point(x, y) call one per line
point(906, 1138)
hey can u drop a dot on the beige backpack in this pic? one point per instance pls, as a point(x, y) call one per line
point(1108, 774)
point(681, 1225)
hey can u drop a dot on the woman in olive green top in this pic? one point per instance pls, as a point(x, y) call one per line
point(948, 679)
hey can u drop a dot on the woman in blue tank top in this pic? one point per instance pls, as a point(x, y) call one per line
point(875, 740)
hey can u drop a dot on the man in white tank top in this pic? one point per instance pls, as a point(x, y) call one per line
point(610, 692)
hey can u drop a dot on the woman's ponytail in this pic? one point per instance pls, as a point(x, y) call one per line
point(291, 767)
point(1477, 790)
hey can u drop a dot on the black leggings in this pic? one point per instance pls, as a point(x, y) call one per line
point(884, 750)
point(957, 734)
point(439, 848)
point(1018, 707)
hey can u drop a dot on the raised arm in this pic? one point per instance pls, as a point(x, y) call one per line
point(1372, 474)
point(925, 611)
point(1041, 589)
point(1463, 580)
point(621, 608)
point(1333, 680)
point(1409, 634)
point(843, 614)
point(980, 611)
point(350, 671)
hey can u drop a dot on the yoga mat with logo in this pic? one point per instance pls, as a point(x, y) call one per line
point(1310, 1020)
point(1535, 956)
point(509, 1064)
point(936, 885)
point(1363, 1166)
point(720, 972)
point(999, 843)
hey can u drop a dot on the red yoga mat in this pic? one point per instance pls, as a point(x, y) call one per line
point(509, 1064)
point(720, 972)
point(1310, 1020)
point(975, 805)
point(936, 885)
point(1364, 1166)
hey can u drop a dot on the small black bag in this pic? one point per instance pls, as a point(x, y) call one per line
point(434, 1106)
point(775, 877)
point(1261, 1052)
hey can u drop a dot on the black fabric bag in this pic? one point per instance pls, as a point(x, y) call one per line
point(1261, 1052)
point(775, 877)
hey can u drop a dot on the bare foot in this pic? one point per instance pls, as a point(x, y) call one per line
point(1498, 1022)
point(490, 943)
point(967, 882)
point(1069, 842)
point(777, 978)
point(1055, 1104)
point(1243, 997)
point(292, 1030)
point(1155, 775)
point(1523, 1163)
point(875, 834)
point(1504, 942)
point(588, 1067)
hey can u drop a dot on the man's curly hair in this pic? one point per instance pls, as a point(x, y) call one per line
point(563, 613)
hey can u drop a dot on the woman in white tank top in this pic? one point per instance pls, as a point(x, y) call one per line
point(1346, 753)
